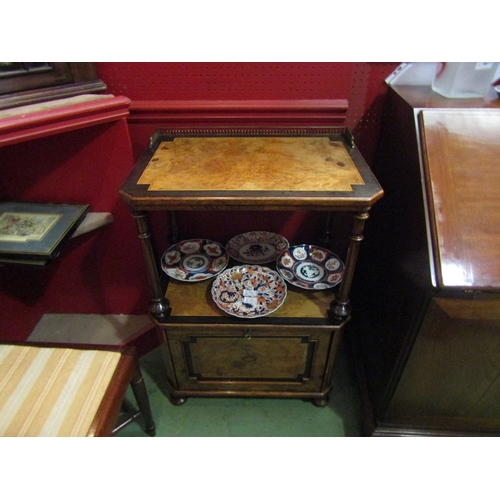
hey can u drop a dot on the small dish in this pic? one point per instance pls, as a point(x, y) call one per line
point(310, 267)
point(256, 247)
point(194, 260)
point(249, 291)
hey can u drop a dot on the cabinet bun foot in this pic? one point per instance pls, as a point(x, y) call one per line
point(176, 400)
point(320, 402)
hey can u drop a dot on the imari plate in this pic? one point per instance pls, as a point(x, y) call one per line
point(249, 291)
point(310, 267)
point(256, 247)
point(194, 260)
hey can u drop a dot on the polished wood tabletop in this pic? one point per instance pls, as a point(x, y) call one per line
point(461, 160)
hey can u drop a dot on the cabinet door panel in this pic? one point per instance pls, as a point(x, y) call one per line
point(250, 359)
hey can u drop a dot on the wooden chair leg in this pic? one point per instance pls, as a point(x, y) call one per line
point(141, 396)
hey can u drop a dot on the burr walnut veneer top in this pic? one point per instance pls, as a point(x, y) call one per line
point(251, 173)
point(252, 163)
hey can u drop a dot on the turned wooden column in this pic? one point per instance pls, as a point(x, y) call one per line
point(340, 308)
point(159, 306)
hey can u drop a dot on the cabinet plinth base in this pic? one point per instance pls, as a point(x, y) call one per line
point(179, 397)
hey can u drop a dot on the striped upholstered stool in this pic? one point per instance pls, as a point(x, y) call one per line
point(53, 390)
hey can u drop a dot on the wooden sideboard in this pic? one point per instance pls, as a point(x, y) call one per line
point(427, 339)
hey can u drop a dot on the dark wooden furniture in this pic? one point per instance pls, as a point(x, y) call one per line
point(29, 83)
point(427, 338)
point(291, 352)
point(51, 389)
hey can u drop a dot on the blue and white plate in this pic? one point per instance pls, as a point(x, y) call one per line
point(310, 267)
point(194, 260)
point(249, 291)
point(256, 247)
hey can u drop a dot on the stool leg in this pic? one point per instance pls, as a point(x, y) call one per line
point(141, 396)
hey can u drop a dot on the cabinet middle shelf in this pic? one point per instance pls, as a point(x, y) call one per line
point(192, 303)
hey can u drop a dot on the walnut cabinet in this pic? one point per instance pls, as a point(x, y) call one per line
point(290, 352)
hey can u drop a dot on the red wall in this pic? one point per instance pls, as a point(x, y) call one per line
point(361, 83)
point(103, 272)
point(96, 273)
point(227, 81)
point(155, 85)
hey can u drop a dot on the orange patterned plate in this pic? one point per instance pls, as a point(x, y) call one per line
point(249, 291)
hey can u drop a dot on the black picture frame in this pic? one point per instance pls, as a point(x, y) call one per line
point(32, 233)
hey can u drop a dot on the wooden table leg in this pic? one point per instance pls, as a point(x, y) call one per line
point(141, 396)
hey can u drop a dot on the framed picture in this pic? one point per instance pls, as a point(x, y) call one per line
point(32, 233)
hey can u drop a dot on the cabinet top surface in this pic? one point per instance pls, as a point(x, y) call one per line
point(461, 160)
point(221, 170)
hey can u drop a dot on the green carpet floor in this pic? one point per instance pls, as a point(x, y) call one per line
point(241, 417)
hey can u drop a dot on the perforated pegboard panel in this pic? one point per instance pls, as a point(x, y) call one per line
point(366, 104)
point(180, 81)
point(361, 83)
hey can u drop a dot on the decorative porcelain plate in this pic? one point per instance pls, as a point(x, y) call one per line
point(256, 247)
point(310, 267)
point(194, 260)
point(249, 291)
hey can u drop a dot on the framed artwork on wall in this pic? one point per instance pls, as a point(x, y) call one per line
point(32, 233)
